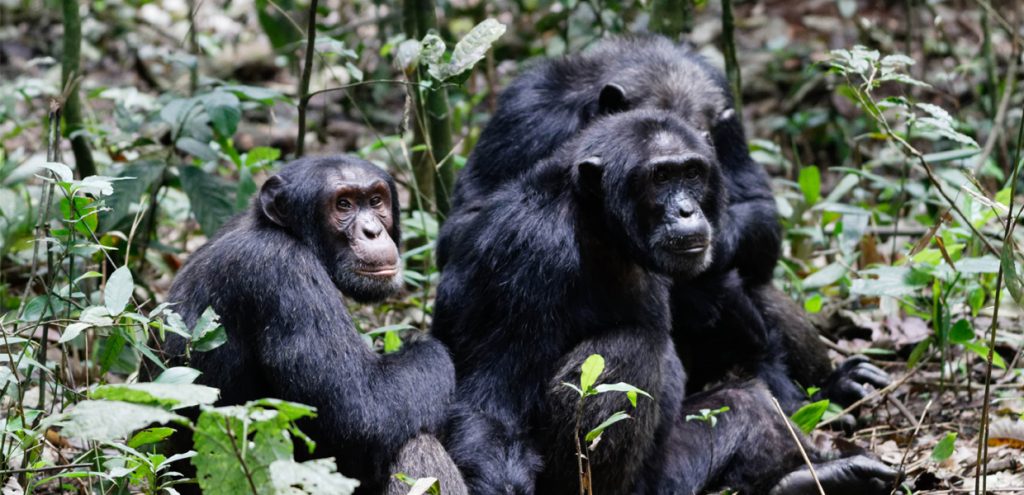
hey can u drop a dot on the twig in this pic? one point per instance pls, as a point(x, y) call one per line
point(981, 470)
point(7, 472)
point(910, 443)
point(887, 389)
point(800, 446)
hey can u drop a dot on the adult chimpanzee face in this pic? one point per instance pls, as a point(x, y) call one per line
point(345, 210)
point(660, 186)
point(680, 238)
point(357, 227)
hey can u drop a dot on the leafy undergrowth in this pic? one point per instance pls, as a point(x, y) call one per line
point(895, 168)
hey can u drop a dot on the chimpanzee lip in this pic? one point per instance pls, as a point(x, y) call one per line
point(687, 247)
point(378, 271)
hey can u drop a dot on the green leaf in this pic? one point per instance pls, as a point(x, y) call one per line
point(118, 290)
point(178, 375)
point(150, 435)
point(810, 184)
point(392, 342)
point(826, 276)
point(208, 334)
point(1014, 282)
point(614, 418)
point(807, 417)
point(223, 109)
point(315, 477)
point(281, 32)
point(469, 50)
point(73, 330)
point(591, 369)
point(172, 395)
point(106, 420)
point(631, 391)
point(919, 350)
point(212, 199)
point(961, 332)
point(982, 350)
point(944, 449)
point(814, 303)
point(196, 148)
point(138, 178)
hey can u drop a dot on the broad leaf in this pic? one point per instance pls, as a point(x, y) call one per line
point(591, 369)
point(944, 449)
point(172, 395)
point(118, 291)
point(315, 477)
point(212, 199)
point(807, 417)
point(614, 418)
point(107, 420)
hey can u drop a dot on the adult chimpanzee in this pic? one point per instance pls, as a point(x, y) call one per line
point(571, 259)
point(273, 274)
point(550, 103)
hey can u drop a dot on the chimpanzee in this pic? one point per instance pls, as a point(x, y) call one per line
point(273, 274)
point(573, 258)
point(550, 103)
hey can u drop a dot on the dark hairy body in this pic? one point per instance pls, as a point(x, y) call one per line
point(321, 229)
point(555, 100)
point(573, 258)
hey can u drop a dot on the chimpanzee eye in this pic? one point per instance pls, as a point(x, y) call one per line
point(692, 173)
point(344, 204)
point(660, 176)
point(376, 201)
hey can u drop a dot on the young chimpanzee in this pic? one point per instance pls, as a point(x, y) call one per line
point(573, 258)
point(273, 274)
point(552, 102)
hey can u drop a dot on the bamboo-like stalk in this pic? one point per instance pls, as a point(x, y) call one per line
point(434, 170)
point(70, 76)
point(732, 67)
point(307, 72)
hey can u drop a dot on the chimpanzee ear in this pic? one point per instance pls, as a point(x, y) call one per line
point(588, 173)
point(612, 99)
point(724, 116)
point(271, 199)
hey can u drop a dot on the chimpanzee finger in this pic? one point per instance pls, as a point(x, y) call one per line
point(852, 362)
point(846, 391)
point(871, 374)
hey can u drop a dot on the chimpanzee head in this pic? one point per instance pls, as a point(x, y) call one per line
point(657, 73)
point(346, 210)
point(658, 184)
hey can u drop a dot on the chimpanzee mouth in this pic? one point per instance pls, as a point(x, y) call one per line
point(687, 246)
point(378, 271)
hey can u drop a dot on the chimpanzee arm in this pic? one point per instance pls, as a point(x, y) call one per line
point(751, 237)
point(311, 353)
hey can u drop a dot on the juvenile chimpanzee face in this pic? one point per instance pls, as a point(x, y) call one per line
point(661, 187)
point(346, 211)
point(358, 225)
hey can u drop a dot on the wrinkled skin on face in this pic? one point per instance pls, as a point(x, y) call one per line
point(366, 263)
point(351, 224)
point(663, 192)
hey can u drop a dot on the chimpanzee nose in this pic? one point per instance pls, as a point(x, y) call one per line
point(372, 229)
point(686, 209)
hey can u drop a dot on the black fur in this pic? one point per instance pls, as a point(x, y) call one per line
point(559, 264)
point(555, 100)
point(274, 278)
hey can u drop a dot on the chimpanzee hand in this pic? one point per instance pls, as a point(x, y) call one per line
point(857, 475)
point(846, 384)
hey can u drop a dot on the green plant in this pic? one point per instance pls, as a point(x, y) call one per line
point(590, 371)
